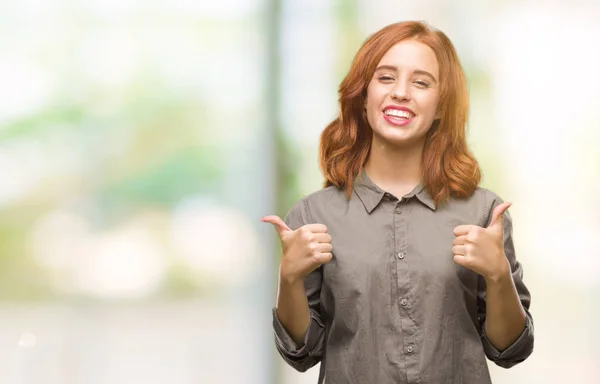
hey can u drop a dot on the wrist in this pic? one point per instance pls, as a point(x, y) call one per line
point(501, 275)
point(291, 281)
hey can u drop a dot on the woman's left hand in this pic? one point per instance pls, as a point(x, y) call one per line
point(482, 249)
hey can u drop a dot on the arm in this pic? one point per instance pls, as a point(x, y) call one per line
point(505, 316)
point(299, 330)
point(292, 309)
point(297, 324)
point(503, 302)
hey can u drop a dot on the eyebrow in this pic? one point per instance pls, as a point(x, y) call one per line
point(417, 71)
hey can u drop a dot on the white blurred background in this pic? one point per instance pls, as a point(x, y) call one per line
point(142, 141)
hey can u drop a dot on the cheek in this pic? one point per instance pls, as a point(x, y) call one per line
point(375, 98)
point(430, 107)
point(371, 109)
point(373, 114)
point(370, 116)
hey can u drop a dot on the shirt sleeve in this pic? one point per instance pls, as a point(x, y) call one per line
point(519, 350)
point(302, 357)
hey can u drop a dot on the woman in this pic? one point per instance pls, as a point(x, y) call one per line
point(402, 269)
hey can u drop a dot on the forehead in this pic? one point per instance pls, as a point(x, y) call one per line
point(410, 55)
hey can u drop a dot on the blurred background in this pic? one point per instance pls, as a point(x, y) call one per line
point(142, 141)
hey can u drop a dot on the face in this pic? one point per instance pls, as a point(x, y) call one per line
point(403, 94)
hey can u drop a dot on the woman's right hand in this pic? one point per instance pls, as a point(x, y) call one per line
point(304, 249)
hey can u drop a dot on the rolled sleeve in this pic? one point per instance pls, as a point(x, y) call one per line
point(517, 352)
point(305, 356)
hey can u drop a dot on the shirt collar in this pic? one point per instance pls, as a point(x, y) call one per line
point(371, 195)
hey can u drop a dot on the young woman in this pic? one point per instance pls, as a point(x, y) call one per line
point(401, 269)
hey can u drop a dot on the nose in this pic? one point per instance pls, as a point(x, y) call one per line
point(400, 92)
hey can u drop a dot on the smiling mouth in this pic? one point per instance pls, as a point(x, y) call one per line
point(397, 116)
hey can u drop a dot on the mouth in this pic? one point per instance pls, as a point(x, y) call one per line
point(398, 116)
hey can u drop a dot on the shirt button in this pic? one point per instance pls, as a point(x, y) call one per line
point(410, 349)
point(399, 210)
point(404, 302)
point(401, 255)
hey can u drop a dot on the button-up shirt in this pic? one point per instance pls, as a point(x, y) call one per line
point(392, 306)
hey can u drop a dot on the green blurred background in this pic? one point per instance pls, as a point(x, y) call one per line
point(142, 141)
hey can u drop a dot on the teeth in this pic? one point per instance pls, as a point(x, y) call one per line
point(398, 113)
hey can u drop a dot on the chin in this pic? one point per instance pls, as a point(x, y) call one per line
point(400, 138)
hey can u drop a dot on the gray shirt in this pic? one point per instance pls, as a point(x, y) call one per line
point(392, 306)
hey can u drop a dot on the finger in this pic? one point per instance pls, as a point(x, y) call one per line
point(325, 257)
point(462, 230)
point(280, 226)
point(460, 240)
point(323, 237)
point(465, 261)
point(497, 214)
point(316, 228)
point(324, 248)
point(459, 250)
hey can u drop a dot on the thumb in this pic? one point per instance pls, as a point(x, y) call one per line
point(497, 215)
point(280, 226)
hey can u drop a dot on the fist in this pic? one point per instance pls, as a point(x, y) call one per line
point(304, 249)
point(482, 249)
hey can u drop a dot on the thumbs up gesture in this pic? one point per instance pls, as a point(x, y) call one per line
point(304, 249)
point(482, 249)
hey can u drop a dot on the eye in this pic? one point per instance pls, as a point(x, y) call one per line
point(386, 78)
point(422, 84)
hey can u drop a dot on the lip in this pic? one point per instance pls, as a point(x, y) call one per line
point(396, 122)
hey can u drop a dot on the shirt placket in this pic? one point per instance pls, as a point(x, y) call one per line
point(404, 299)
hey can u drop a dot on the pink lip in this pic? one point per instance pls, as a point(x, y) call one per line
point(399, 123)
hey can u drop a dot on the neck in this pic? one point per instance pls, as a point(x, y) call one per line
point(395, 169)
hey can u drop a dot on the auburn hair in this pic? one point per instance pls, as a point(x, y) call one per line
point(448, 168)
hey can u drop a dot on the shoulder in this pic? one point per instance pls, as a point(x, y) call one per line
point(325, 196)
point(303, 211)
point(479, 205)
point(488, 198)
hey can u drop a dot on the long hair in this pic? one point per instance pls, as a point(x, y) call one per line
point(448, 168)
